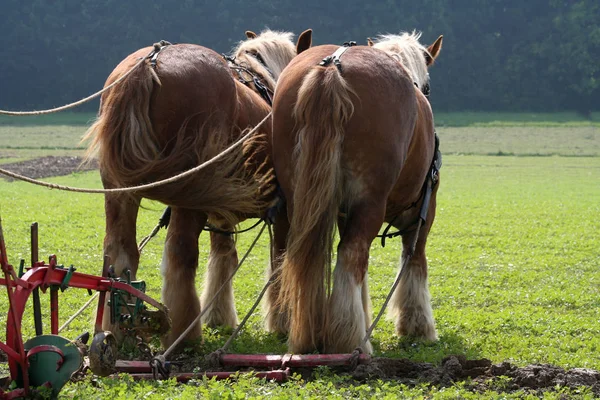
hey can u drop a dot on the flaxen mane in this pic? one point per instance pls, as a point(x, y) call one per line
point(407, 49)
point(267, 54)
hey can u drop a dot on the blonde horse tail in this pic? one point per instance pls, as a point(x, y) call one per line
point(323, 107)
point(122, 137)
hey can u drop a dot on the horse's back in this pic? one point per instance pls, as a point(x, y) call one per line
point(192, 79)
point(379, 132)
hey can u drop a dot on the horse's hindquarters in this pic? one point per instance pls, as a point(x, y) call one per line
point(340, 140)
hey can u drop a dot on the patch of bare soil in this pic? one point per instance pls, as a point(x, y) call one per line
point(482, 374)
point(478, 375)
point(48, 166)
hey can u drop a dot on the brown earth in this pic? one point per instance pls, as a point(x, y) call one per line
point(480, 375)
point(48, 166)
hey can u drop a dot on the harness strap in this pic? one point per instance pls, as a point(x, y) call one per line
point(430, 182)
point(153, 56)
point(426, 89)
point(335, 57)
point(261, 88)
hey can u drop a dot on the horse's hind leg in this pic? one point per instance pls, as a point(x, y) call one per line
point(366, 299)
point(411, 302)
point(179, 265)
point(347, 312)
point(222, 261)
point(277, 319)
point(120, 239)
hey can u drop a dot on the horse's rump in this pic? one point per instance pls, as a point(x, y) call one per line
point(168, 118)
point(340, 139)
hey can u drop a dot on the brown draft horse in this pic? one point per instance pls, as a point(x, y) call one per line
point(353, 142)
point(183, 106)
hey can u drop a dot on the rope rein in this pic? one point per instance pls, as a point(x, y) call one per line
point(159, 361)
point(148, 185)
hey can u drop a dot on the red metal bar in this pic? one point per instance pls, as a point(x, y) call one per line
point(294, 361)
point(10, 352)
point(132, 367)
point(100, 312)
point(278, 375)
point(16, 342)
point(13, 394)
point(314, 360)
point(251, 360)
point(263, 361)
point(47, 347)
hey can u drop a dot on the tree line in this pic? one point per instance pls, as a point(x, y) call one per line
point(500, 55)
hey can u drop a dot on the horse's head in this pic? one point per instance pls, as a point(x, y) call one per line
point(415, 57)
point(268, 53)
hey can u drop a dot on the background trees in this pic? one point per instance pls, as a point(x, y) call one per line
point(503, 55)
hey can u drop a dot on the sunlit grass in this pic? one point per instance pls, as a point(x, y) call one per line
point(513, 270)
point(470, 118)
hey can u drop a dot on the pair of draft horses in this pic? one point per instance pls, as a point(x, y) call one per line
point(349, 145)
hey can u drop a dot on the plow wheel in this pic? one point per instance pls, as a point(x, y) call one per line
point(52, 359)
point(103, 354)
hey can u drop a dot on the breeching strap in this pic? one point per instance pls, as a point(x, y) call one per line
point(335, 57)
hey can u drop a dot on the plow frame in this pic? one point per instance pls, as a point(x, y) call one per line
point(43, 276)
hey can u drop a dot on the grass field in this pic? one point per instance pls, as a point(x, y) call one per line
point(514, 256)
point(460, 133)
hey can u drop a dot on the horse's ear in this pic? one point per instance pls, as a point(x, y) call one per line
point(251, 35)
point(434, 50)
point(304, 41)
point(370, 42)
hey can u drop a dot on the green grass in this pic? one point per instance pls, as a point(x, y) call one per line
point(460, 133)
point(467, 118)
point(481, 133)
point(63, 118)
point(513, 274)
point(521, 140)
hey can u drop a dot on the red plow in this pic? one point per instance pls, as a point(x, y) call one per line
point(50, 360)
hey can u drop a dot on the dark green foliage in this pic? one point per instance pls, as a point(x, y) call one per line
point(539, 55)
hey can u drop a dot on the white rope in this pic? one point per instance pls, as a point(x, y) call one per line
point(78, 313)
point(140, 187)
point(207, 306)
